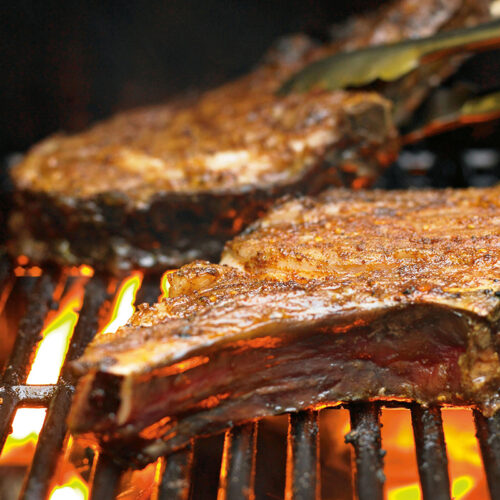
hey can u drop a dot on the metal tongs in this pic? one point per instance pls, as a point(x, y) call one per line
point(390, 62)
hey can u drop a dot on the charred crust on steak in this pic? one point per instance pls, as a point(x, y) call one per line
point(115, 232)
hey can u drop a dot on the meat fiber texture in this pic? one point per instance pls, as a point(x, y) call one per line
point(161, 186)
point(344, 297)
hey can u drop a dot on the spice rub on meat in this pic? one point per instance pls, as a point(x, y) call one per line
point(343, 297)
point(205, 176)
point(161, 186)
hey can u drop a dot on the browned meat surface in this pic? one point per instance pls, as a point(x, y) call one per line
point(160, 186)
point(347, 296)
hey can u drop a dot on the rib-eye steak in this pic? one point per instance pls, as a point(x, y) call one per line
point(343, 297)
point(161, 186)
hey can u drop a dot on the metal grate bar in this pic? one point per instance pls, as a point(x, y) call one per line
point(6, 281)
point(39, 299)
point(5, 270)
point(39, 302)
point(88, 323)
point(238, 463)
point(365, 437)
point(51, 438)
point(175, 481)
point(431, 452)
point(9, 398)
point(33, 395)
point(488, 434)
point(105, 478)
point(302, 474)
point(50, 443)
point(9, 402)
point(150, 290)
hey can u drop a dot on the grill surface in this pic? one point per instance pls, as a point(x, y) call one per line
point(238, 463)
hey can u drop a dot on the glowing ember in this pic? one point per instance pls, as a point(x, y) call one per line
point(28, 271)
point(123, 306)
point(83, 270)
point(24, 268)
point(86, 271)
point(74, 489)
point(22, 260)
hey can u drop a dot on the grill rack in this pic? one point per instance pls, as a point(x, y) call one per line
point(238, 462)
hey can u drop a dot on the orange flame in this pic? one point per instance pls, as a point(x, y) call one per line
point(465, 466)
point(47, 363)
point(20, 443)
point(122, 309)
point(45, 369)
point(73, 489)
point(411, 492)
point(123, 306)
point(165, 285)
point(52, 349)
point(460, 489)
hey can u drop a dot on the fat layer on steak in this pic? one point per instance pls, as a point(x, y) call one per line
point(343, 297)
point(164, 185)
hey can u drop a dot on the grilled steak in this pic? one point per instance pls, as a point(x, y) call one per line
point(161, 186)
point(343, 297)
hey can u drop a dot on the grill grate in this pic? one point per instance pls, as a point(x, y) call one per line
point(302, 478)
point(238, 463)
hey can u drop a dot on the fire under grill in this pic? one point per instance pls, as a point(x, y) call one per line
point(29, 295)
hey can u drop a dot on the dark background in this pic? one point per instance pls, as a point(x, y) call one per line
point(67, 63)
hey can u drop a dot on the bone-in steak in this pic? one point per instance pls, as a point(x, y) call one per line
point(347, 296)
